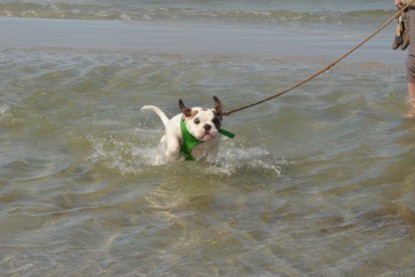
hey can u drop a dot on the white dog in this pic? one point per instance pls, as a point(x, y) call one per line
point(192, 133)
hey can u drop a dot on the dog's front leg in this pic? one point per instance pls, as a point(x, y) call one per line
point(172, 149)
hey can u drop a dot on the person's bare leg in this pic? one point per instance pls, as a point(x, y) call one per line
point(411, 99)
point(411, 94)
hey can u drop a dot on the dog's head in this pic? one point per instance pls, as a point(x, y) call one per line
point(203, 123)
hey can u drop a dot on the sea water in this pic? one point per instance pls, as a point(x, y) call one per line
point(318, 182)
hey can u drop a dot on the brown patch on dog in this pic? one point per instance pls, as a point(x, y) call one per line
point(217, 105)
point(186, 111)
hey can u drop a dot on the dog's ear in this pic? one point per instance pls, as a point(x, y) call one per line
point(186, 111)
point(217, 105)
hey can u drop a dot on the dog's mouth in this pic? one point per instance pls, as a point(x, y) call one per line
point(206, 136)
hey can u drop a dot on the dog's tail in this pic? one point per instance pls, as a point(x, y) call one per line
point(158, 111)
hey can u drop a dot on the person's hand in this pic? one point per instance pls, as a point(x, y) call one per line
point(398, 4)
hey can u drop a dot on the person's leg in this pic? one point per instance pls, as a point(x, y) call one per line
point(411, 94)
point(411, 99)
point(410, 67)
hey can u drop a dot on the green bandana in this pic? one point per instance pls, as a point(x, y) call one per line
point(190, 142)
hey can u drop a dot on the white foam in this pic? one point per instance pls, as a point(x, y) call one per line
point(8, 13)
point(124, 16)
point(3, 110)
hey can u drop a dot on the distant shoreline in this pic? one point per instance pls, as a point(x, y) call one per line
point(24, 33)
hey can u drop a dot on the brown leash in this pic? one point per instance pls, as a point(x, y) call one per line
point(327, 67)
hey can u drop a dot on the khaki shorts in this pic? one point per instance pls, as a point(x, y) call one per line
point(410, 69)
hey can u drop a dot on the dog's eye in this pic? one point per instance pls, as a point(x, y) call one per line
point(197, 121)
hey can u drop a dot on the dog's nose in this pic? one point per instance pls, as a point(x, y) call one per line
point(207, 127)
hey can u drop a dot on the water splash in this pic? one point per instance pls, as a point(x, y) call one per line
point(234, 159)
point(129, 157)
point(3, 110)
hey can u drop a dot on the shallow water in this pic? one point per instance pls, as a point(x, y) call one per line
point(318, 182)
